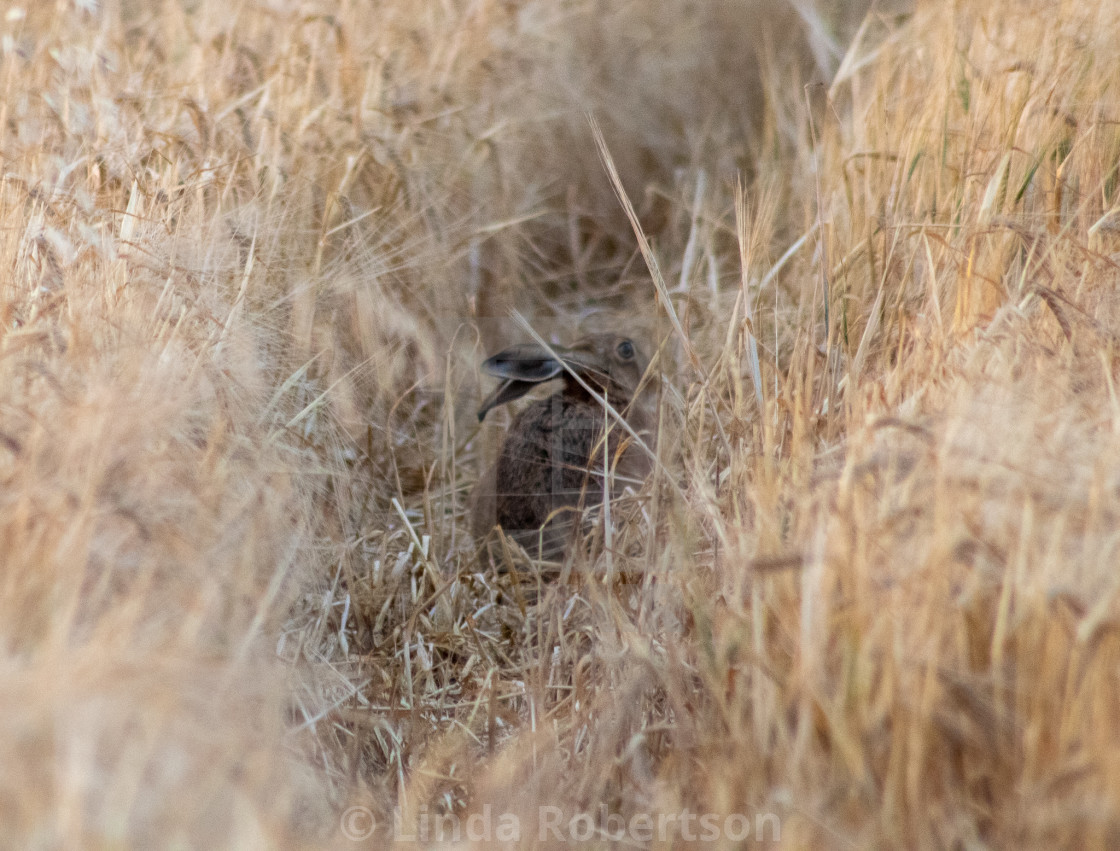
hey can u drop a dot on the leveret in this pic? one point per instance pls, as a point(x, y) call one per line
point(554, 458)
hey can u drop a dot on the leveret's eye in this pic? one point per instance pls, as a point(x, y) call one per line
point(625, 350)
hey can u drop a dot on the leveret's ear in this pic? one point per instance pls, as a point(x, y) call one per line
point(522, 367)
point(508, 391)
point(524, 362)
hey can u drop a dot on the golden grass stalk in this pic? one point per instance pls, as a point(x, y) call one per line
point(254, 254)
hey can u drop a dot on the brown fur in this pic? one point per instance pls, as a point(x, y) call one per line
point(551, 463)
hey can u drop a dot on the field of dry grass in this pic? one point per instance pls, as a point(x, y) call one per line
point(254, 253)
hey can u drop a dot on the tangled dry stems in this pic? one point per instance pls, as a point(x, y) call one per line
point(255, 254)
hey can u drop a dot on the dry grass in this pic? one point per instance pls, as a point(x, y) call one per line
point(255, 252)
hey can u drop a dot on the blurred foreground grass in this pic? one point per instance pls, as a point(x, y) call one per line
point(255, 252)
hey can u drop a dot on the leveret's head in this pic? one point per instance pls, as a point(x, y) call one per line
point(609, 363)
